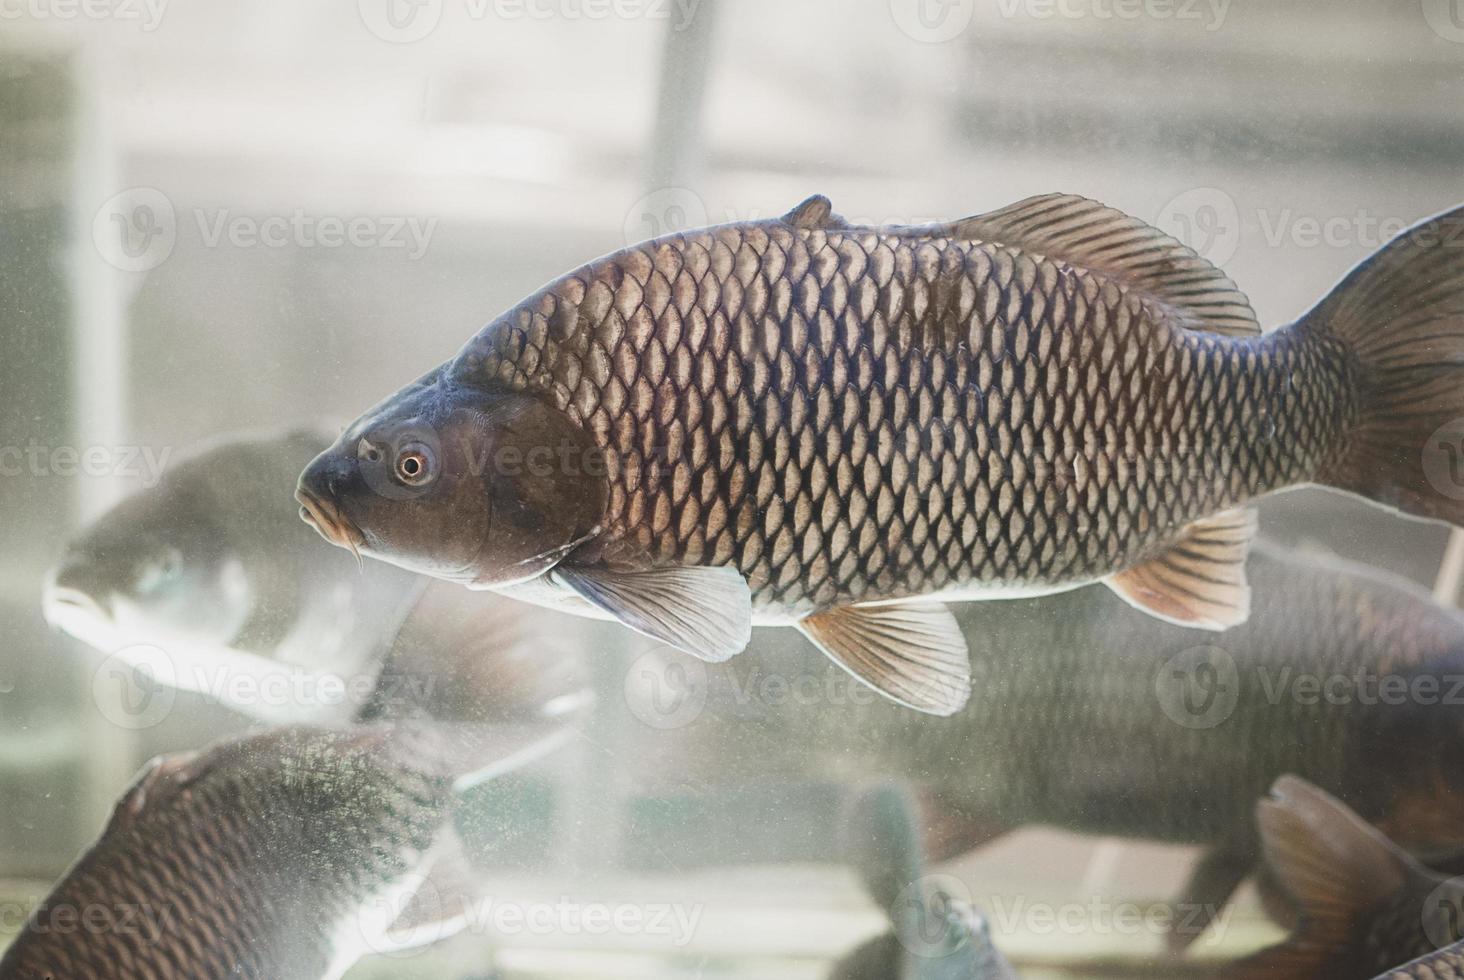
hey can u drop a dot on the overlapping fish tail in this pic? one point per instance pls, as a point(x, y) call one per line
point(1335, 867)
point(1396, 323)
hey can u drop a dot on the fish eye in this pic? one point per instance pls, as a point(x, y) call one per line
point(159, 571)
point(367, 451)
point(414, 465)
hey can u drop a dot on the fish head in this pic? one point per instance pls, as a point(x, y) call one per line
point(154, 568)
point(481, 486)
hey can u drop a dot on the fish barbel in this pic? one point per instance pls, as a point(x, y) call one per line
point(799, 421)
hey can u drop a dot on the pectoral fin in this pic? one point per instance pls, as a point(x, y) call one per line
point(702, 610)
point(912, 652)
point(1200, 581)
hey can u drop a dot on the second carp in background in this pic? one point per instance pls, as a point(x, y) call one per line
point(800, 421)
point(1095, 718)
point(213, 568)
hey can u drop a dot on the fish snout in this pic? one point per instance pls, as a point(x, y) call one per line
point(318, 494)
point(72, 592)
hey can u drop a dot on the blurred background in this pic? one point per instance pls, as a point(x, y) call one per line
point(222, 216)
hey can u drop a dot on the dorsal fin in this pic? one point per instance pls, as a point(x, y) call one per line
point(1334, 865)
point(1094, 236)
point(817, 212)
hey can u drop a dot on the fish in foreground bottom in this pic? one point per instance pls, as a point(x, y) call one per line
point(286, 855)
point(936, 935)
point(1363, 905)
point(799, 421)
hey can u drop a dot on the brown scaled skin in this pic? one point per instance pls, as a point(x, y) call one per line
point(837, 427)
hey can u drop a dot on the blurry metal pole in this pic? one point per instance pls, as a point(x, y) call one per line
point(1451, 570)
point(675, 160)
point(99, 394)
point(676, 145)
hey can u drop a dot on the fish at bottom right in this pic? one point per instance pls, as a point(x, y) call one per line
point(1365, 908)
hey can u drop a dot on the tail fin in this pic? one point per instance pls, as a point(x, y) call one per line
point(1399, 317)
point(1336, 868)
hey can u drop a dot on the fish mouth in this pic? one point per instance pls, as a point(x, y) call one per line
point(62, 605)
point(332, 524)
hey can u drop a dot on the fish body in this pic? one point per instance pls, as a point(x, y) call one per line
point(1364, 906)
point(213, 567)
point(799, 421)
point(282, 856)
point(1078, 719)
point(1446, 964)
